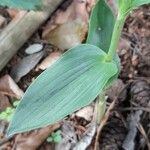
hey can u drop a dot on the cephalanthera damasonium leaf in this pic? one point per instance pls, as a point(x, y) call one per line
point(113, 78)
point(22, 4)
point(101, 26)
point(137, 3)
point(128, 5)
point(100, 32)
point(72, 82)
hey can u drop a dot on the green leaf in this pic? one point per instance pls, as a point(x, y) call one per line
point(101, 26)
point(58, 132)
point(3, 116)
point(72, 82)
point(8, 110)
point(22, 4)
point(125, 6)
point(57, 138)
point(137, 3)
point(16, 103)
point(113, 78)
point(49, 139)
point(103, 18)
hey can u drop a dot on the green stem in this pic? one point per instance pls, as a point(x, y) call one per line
point(115, 37)
point(101, 107)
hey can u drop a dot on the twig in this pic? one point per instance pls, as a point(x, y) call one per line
point(103, 122)
point(106, 116)
point(87, 138)
point(134, 119)
point(142, 131)
point(133, 108)
point(21, 28)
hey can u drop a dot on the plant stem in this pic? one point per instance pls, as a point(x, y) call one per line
point(101, 107)
point(116, 36)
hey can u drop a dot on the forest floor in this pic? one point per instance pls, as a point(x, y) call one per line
point(126, 124)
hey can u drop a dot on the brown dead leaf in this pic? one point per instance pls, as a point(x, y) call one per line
point(4, 102)
point(60, 17)
point(68, 27)
point(48, 61)
point(6, 146)
point(47, 146)
point(32, 140)
point(113, 5)
point(68, 34)
point(86, 113)
point(12, 12)
point(90, 4)
point(9, 87)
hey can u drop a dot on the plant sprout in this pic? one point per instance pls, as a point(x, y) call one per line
point(9, 112)
point(79, 76)
point(55, 137)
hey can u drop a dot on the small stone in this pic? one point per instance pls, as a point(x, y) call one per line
point(34, 48)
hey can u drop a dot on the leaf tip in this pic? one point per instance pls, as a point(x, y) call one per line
point(10, 132)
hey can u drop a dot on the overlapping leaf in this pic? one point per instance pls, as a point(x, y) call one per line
point(71, 83)
point(136, 3)
point(22, 4)
point(101, 26)
point(100, 31)
point(128, 5)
